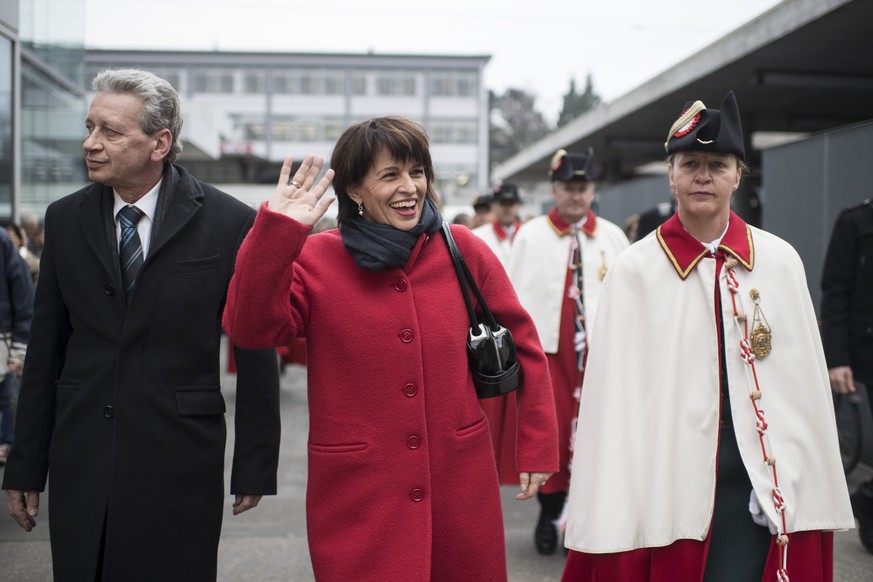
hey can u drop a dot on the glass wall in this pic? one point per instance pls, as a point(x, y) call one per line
point(7, 172)
point(53, 108)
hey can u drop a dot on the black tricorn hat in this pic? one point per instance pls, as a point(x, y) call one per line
point(507, 192)
point(566, 166)
point(708, 130)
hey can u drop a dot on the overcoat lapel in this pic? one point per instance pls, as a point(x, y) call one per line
point(95, 215)
point(179, 200)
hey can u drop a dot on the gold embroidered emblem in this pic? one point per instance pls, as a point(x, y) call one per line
point(762, 335)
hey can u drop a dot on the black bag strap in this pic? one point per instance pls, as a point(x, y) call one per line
point(465, 278)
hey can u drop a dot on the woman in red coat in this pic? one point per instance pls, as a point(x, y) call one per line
point(402, 481)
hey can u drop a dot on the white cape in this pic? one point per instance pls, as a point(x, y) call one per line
point(644, 467)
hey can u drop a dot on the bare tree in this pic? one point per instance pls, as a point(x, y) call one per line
point(515, 124)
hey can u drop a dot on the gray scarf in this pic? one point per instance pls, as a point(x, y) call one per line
point(377, 247)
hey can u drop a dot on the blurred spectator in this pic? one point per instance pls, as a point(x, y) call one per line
point(847, 325)
point(498, 234)
point(463, 219)
point(34, 231)
point(654, 217)
point(483, 213)
point(19, 237)
point(16, 311)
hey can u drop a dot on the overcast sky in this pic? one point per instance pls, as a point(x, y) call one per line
point(535, 46)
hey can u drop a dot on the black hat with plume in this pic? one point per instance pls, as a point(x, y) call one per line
point(708, 130)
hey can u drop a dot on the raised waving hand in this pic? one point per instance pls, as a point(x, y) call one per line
point(300, 197)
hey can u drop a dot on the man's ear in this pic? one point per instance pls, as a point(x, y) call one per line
point(163, 142)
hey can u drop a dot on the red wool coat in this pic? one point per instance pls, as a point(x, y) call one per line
point(402, 480)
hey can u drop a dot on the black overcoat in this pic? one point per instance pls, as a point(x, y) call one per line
point(847, 293)
point(121, 405)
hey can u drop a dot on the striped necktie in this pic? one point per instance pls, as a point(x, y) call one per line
point(130, 248)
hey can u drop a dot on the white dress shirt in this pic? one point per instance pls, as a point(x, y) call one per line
point(147, 204)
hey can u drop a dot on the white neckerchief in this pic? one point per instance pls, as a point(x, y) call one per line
point(712, 247)
point(509, 231)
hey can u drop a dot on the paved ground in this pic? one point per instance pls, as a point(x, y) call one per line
point(268, 544)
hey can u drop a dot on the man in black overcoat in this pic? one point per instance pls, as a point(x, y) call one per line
point(847, 325)
point(120, 403)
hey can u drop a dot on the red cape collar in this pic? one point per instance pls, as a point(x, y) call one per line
point(501, 234)
point(684, 251)
point(562, 227)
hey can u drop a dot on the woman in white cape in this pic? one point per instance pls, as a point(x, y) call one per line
point(706, 448)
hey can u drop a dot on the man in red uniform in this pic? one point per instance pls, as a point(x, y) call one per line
point(557, 266)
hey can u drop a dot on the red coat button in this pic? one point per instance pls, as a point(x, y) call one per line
point(413, 442)
point(416, 494)
point(406, 336)
point(410, 390)
point(400, 285)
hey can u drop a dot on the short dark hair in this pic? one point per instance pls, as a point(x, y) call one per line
point(359, 145)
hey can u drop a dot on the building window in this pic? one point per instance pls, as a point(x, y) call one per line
point(333, 129)
point(171, 76)
point(333, 84)
point(440, 132)
point(359, 84)
point(213, 80)
point(397, 84)
point(454, 84)
point(440, 86)
point(285, 84)
point(307, 82)
point(465, 132)
point(308, 131)
point(254, 82)
point(466, 85)
point(255, 131)
point(293, 129)
point(453, 131)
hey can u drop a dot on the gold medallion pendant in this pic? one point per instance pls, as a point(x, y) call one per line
point(762, 336)
point(761, 341)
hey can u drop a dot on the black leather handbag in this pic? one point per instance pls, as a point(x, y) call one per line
point(490, 347)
